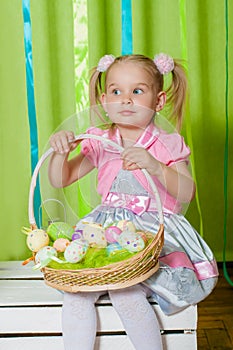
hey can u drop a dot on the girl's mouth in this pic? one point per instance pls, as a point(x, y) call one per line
point(127, 112)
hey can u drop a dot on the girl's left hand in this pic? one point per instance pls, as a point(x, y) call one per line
point(139, 158)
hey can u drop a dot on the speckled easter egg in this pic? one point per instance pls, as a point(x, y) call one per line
point(60, 244)
point(131, 241)
point(45, 253)
point(126, 225)
point(94, 234)
point(37, 239)
point(76, 251)
point(112, 233)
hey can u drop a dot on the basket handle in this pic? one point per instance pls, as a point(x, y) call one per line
point(81, 137)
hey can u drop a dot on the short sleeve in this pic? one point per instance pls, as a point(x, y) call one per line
point(172, 149)
point(90, 147)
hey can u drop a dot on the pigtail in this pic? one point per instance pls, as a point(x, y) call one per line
point(95, 91)
point(95, 87)
point(176, 93)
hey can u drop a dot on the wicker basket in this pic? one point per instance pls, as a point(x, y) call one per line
point(114, 276)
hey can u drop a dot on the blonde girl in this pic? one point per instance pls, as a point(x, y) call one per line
point(131, 91)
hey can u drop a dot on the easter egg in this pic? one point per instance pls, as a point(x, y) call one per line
point(143, 235)
point(76, 251)
point(44, 254)
point(94, 234)
point(37, 239)
point(113, 248)
point(60, 244)
point(126, 225)
point(77, 234)
point(131, 241)
point(111, 233)
point(60, 229)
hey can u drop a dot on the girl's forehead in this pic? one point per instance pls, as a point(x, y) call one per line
point(130, 70)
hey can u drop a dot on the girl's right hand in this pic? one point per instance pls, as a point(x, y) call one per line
point(62, 143)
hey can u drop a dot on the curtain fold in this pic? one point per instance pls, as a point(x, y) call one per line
point(53, 61)
point(58, 94)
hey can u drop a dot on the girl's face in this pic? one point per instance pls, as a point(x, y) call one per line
point(131, 98)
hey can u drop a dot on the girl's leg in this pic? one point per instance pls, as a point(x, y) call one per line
point(138, 317)
point(79, 320)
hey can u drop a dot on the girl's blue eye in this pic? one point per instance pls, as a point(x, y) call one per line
point(116, 92)
point(137, 91)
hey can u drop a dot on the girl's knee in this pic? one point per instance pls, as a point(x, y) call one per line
point(128, 298)
point(136, 291)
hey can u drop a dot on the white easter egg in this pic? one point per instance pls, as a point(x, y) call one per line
point(131, 241)
point(94, 234)
point(45, 253)
point(75, 251)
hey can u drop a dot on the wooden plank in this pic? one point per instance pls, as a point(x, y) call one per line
point(28, 292)
point(36, 293)
point(180, 341)
point(211, 324)
point(228, 321)
point(15, 269)
point(202, 340)
point(48, 320)
point(29, 343)
point(218, 339)
point(170, 342)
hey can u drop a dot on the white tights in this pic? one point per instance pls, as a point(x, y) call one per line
point(138, 317)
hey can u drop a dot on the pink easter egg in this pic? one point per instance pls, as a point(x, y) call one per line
point(111, 233)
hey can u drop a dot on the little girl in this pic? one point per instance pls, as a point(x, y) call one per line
point(131, 91)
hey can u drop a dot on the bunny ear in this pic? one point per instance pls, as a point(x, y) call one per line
point(164, 63)
point(105, 62)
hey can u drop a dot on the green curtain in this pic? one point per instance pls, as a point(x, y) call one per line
point(53, 60)
point(58, 93)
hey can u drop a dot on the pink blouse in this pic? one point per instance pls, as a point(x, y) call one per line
point(166, 148)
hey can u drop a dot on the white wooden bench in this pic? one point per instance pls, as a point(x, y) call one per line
point(30, 316)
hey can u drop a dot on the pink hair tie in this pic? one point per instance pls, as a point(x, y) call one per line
point(164, 63)
point(105, 62)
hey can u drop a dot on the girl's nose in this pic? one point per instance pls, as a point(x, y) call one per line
point(127, 100)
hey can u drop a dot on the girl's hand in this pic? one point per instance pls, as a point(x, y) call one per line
point(62, 143)
point(139, 158)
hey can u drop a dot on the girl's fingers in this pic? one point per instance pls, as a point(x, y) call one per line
point(127, 165)
point(61, 141)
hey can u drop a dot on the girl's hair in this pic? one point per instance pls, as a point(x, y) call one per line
point(176, 91)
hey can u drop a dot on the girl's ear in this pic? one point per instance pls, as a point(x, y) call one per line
point(161, 100)
point(103, 100)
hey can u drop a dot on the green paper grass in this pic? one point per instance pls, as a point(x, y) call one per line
point(94, 258)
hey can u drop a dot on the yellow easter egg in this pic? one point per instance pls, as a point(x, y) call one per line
point(126, 225)
point(37, 239)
